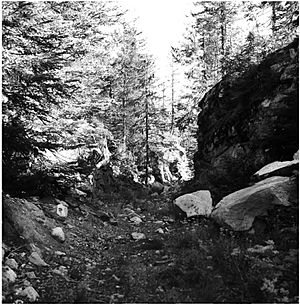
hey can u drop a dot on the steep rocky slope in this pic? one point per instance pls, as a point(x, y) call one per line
point(247, 122)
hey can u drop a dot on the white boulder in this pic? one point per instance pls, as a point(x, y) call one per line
point(30, 293)
point(58, 234)
point(11, 263)
point(138, 236)
point(198, 203)
point(62, 209)
point(36, 259)
point(136, 220)
point(8, 275)
point(239, 209)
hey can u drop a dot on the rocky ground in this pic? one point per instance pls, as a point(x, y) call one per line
point(106, 259)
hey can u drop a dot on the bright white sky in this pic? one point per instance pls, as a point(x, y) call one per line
point(162, 22)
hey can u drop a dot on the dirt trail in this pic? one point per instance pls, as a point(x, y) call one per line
point(177, 262)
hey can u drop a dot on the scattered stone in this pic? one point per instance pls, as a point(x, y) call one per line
point(239, 209)
point(138, 236)
point(198, 203)
point(30, 293)
point(160, 231)
point(115, 297)
point(158, 222)
point(168, 219)
point(59, 253)
point(130, 213)
point(26, 283)
point(30, 275)
point(259, 249)
point(62, 271)
point(11, 263)
point(136, 220)
point(58, 234)
point(80, 193)
point(69, 226)
point(8, 275)
point(36, 259)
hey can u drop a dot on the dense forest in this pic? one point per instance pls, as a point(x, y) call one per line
point(95, 140)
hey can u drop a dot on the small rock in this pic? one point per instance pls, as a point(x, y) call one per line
point(30, 293)
point(62, 271)
point(168, 219)
point(36, 259)
point(79, 193)
point(8, 275)
point(18, 301)
point(159, 289)
point(58, 234)
point(26, 283)
point(62, 210)
point(138, 236)
point(59, 253)
point(159, 222)
point(11, 263)
point(69, 226)
point(130, 213)
point(30, 275)
point(136, 220)
point(160, 231)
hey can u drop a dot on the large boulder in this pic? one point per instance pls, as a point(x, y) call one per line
point(247, 121)
point(239, 209)
point(198, 203)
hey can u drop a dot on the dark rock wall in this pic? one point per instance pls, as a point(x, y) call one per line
point(247, 122)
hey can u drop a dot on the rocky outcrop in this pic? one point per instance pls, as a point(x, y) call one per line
point(25, 219)
point(239, 209)
point(247, 122)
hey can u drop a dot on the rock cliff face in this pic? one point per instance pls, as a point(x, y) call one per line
point(247, 122)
